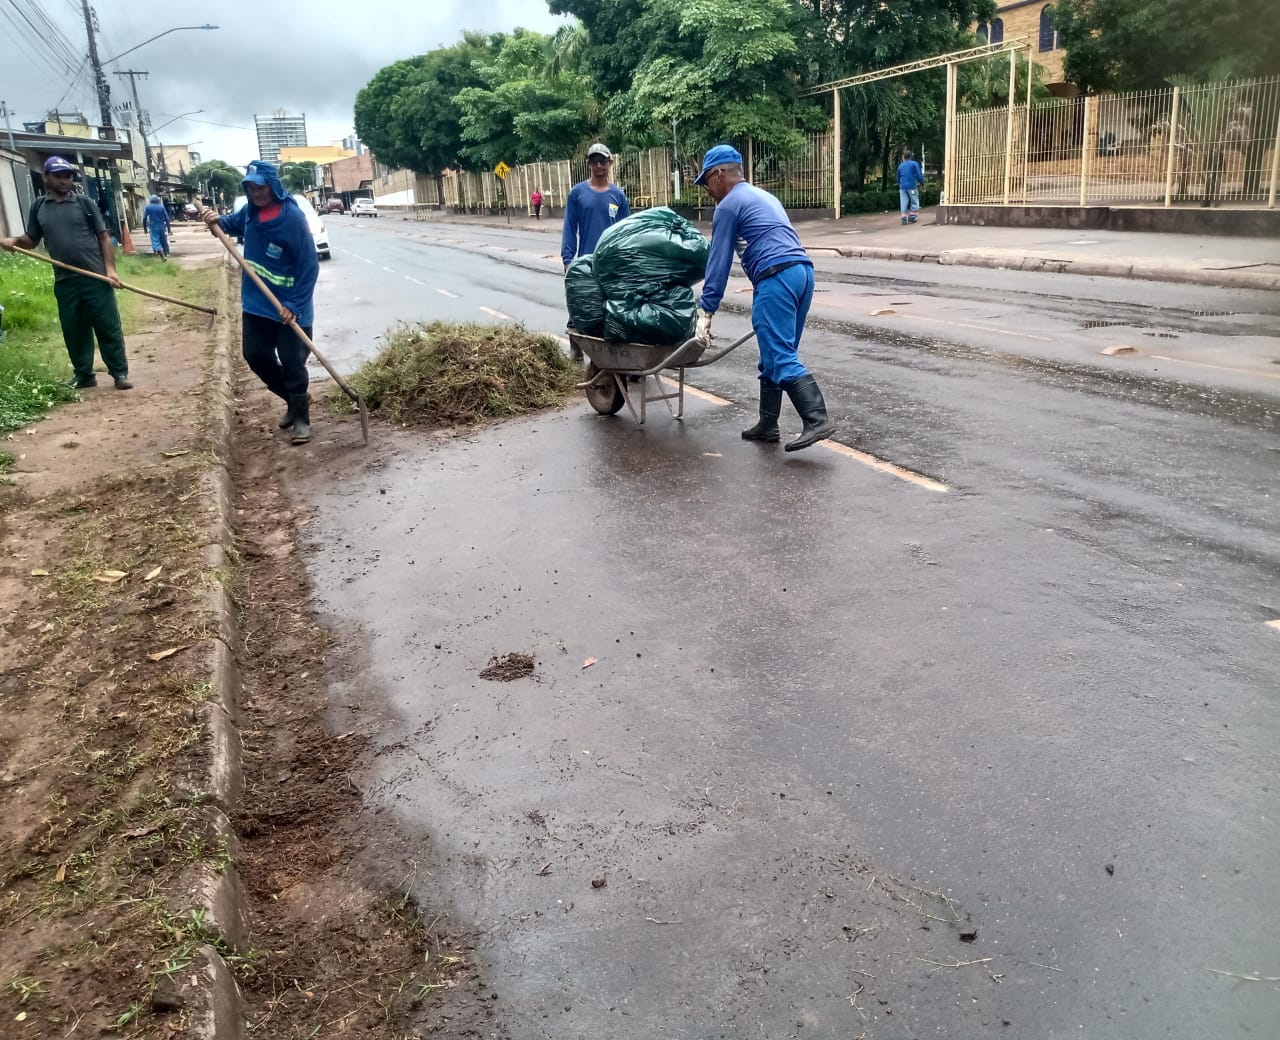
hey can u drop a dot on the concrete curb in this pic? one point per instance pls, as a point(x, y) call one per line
point(1142, 268)
point(219, 891)
point(1122, 267)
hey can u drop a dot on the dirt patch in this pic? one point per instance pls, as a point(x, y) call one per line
point(508, 667)
point(106, 639)
point(103, 685)
point(340, 947)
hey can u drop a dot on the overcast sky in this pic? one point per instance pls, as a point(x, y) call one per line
point(311, 60)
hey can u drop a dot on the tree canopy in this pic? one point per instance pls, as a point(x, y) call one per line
point(527, 108)
point(222, 178)
point(1138, 44)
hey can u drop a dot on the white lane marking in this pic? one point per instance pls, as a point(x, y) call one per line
point(983, 328)
point(1274, 624)
point(410, 278)
point(387, 269)
point(497, 314)
point(894, 470)
point(446, 292)
point(701, 395)
point(1218, 368)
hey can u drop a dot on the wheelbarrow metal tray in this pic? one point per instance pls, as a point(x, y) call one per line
point(635, 358)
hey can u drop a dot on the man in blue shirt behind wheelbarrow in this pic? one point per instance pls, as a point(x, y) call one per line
point(782, 274)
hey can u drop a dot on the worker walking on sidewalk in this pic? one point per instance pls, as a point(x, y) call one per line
point(75, 233)
point(279, 247)
point(155, 220)
point(782, 274)
point(910, 181)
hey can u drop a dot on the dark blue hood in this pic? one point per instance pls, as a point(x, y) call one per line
point(259, 172)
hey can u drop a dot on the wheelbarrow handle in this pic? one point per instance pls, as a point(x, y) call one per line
point(719, 354)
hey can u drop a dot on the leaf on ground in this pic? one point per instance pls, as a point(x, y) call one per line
point(588, 662)
point(61, 875)
point(141, 832)
point(39, 572)
point(110, 577)
point(162, 654)
point(154, 573)
point(546, 869)
point(176, 454)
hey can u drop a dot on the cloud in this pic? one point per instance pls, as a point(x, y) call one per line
point(310, 60)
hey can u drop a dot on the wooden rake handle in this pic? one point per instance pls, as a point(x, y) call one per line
point(104, 278)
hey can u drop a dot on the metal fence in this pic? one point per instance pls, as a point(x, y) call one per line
point(1210, 143)
point(804, 180)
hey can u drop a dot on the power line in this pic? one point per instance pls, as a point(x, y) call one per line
point(38, 47)
point(45, 33)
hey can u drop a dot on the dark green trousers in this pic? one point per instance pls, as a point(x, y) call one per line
point(87, 307)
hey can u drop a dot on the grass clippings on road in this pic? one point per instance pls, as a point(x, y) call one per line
point(442, 374)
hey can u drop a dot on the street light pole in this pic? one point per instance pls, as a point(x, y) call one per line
point(176, 28)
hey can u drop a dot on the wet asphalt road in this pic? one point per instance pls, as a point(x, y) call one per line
point(838, 721)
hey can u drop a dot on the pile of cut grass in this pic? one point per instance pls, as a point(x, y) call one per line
point(445, 374)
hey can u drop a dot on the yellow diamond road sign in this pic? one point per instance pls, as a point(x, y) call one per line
point(502, 169)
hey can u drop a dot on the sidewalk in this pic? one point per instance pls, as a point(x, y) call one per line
point(1227, 262)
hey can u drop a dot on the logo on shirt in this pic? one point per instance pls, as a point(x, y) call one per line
point(275, 251)
point(613, 211)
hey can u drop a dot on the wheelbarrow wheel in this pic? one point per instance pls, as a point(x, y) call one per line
point(605, 397)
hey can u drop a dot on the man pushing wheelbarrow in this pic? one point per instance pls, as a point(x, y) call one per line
point(782, 274)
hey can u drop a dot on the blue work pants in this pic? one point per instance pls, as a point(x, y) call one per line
point(778, 313)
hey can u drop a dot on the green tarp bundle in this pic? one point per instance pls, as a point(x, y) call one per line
point(643, 270)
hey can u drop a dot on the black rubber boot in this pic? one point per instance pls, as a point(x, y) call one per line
point(286, 420)
point(807, 398)
point(770, 408)
point(301, 419)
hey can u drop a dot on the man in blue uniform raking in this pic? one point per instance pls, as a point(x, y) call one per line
point(592, 206)
point(782, 274)
point(278, 245)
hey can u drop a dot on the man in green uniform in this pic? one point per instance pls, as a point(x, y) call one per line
point(74, 232)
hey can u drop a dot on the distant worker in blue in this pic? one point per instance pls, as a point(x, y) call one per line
point(910, 181)
point(279, 247)
point(155, 219)
point(782, 274)
point(592, 206)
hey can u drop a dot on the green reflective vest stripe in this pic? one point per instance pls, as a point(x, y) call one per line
point(283, 280)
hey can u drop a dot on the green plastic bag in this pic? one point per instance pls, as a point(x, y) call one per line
point(584, 298)
point(666, 317)
point(654, 249)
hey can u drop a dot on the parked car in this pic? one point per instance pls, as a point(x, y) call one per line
point(335, 206)
point(364, 208)
point(316, 225)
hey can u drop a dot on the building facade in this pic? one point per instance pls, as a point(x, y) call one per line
point(279, 130)
point(1032, 19)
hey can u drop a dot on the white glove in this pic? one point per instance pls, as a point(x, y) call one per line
point(702, 332)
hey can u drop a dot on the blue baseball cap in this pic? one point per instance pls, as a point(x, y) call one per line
point(57, 164)
point(719, 155)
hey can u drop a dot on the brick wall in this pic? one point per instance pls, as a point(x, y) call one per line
point(1023, 19)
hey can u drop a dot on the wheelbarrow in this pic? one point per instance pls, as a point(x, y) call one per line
point(619, 373)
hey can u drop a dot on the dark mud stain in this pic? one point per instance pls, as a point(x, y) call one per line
point(508, 667)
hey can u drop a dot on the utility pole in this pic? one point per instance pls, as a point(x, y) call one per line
point(99, 77)
point(142, 121)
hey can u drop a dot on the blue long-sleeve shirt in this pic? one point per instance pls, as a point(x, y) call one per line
point(910, 176)
point(587, 213)
point(754, 222)
point(283, 253)
point(155, 215)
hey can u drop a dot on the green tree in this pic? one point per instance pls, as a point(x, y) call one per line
point(297, 177)
point(1138, 44)
point(531, 105)
point(219, 179)
point(879, 119)
point(406, 113)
